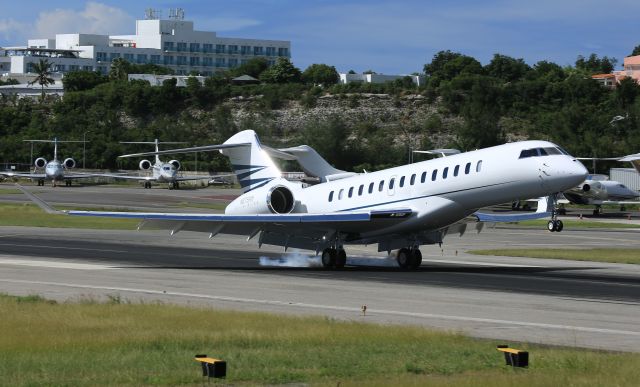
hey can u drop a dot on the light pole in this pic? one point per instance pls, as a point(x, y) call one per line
point(84, 147)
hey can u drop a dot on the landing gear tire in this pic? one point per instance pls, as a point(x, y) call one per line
point(67, 183)
point(341, 259)
point(329, 256)
point(404, 258)
point(416, 259)
point(555, 225)
point(40, 183)
point(147, 184)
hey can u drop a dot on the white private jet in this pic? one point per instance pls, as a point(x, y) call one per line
point(398, 208)
point(54, 170)
point(597, 190)
point(161, 172)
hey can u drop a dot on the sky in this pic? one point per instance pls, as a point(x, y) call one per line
point(390, 37)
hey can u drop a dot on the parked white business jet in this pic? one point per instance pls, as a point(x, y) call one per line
point(397, 208)
point(161, 172)
point(597, 190)
point(54, 170)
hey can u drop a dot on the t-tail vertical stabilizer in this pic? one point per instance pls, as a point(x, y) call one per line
point(251, 163)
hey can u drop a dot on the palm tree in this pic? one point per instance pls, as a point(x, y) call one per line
point(43, 75)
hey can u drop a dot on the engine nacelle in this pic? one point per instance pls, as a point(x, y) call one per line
point(145, 164)
point(40, 162)
point(69, 163)
point(276, 199)
point(176, 164)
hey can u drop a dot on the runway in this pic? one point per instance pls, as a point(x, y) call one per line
point(555, 302)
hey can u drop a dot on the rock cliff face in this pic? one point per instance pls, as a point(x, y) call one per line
point(381, 110)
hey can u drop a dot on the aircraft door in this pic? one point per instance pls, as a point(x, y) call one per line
point(543, 172)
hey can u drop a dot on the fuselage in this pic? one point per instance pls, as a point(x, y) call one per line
point(164, 172)
point(599, 191)
point(440, 191)
point(54, 170)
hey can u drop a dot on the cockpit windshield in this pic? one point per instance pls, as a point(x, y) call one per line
point(536, 152)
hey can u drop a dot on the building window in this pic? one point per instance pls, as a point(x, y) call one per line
point(245, 50)
point(168, 60)
point(467, 168)
point(194, 61)
point(128, 57)
point(271, 51)
point(233, 62)
point(207, 61)
point(101, 56)
point(207, 47)
point(74, 67)
point(479, 166)
point(114, 55)
point(381, 185)
point(168, 46)
point(220, 62)
point(283, 51)
point(87, 68)
point(360, 189)
point(182, 46)
point(194, 47)
point(423, 177)
point(351, 192)
point(142, 58)
point(331, 196)
point(434, 175)
point(233, 49)
point(456, 170)
point(258, 50)
point(371, 188)
point(220, 48)
point(155, 59)
point(182, 61)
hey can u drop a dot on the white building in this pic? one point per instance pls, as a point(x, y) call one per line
point(379, 78)
point(172, 43)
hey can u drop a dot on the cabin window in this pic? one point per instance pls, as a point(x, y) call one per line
point(371, 188)
point(360, 189)
point(402, 181)
point(467, 168)
point(412, 181)
point(381, 185)
point(351, 192)
point(340, 194)
point(331, 196)
point(479, 166)
point(434, 175)
point(391, 183)
point(423, 177)
point(456, 170)
point(445, 172)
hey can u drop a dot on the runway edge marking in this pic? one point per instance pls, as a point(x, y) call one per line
point(337, 308)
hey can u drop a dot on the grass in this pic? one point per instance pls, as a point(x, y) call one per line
point(611, 255)
point(542, 223)
point(29, 215)
point(121, 343)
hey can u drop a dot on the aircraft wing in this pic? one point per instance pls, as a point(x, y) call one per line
point(305, 231)
point(202, 177)
point(129, 177)
point(24, 174)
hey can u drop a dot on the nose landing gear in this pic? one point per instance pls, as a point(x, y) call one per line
point(555, 224)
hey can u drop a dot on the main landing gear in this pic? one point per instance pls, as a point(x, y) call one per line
point(67, 183)
point(40, 183)
point(334, 258)
point(147, 184)
point(174, 185)
point(409, 258)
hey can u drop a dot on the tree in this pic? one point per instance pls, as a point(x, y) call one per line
point(636, 51)
point(82, 80)
point(439, 60)
point(283, 71)
point(43, 75)
point(595, 65)
point(447, 65)
point(253, 67)
point(507, 68)
point(321, 74)
point(119, 69)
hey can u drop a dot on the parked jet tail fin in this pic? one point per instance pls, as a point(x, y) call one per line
point(634, 160)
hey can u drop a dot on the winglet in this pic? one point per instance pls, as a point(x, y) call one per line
point(39, 202)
